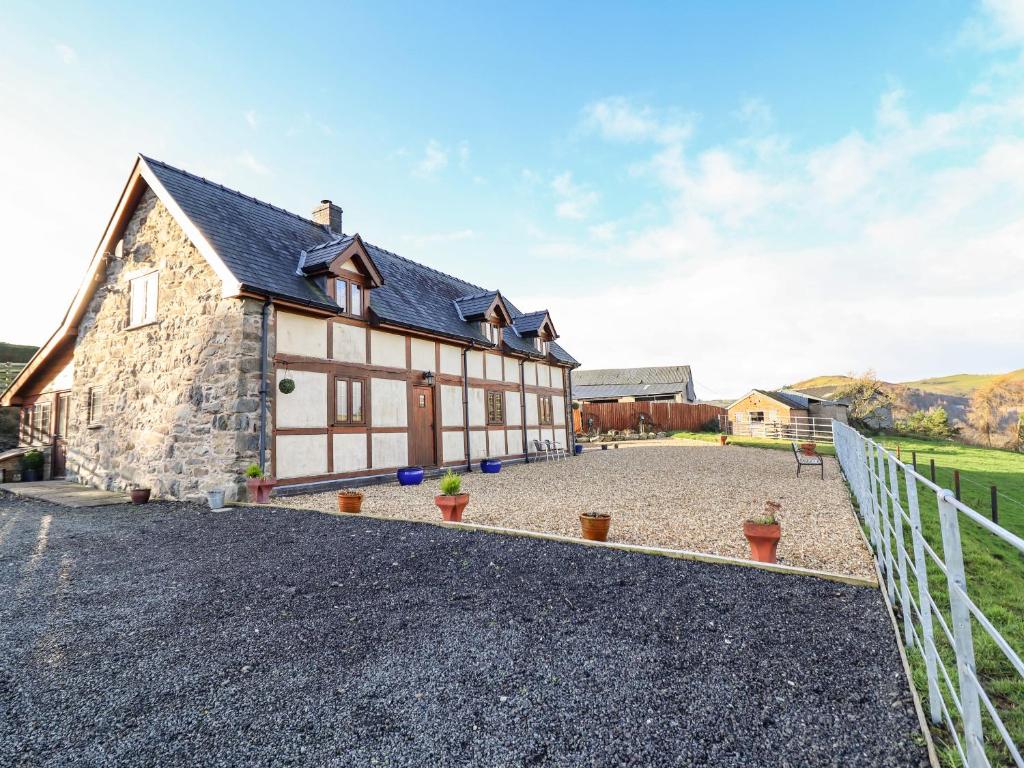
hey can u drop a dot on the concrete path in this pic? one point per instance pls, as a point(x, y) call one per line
point(65, 493)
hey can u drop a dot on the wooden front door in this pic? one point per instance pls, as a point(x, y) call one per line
point(421, 429)
point(60, 431)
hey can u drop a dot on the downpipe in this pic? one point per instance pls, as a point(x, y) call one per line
point(465, 403)
point(263, 385)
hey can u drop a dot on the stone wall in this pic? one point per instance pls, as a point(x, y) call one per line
point(181, 395)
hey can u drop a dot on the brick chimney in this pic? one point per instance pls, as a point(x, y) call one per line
point(328, 214)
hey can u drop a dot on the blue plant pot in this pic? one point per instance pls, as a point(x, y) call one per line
point(410, 476)
point(490, 466)
point(578, 448)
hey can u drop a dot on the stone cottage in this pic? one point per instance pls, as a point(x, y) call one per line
point(213, 331)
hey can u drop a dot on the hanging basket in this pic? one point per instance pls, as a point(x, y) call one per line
point(287, 386)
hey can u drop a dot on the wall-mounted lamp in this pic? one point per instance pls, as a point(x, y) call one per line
point(428, 378)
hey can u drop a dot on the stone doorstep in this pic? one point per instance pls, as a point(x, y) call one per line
point(65, 493)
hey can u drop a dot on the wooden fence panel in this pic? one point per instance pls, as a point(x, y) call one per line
point(659, 416)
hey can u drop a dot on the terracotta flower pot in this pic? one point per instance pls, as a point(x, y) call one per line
point(808, 449)
point(266, 486)
point(723, 439)
point(350, 502)
point(595, 527)
point(764, 539)
point(252, 486)
point(139, 495)
point(452, 506)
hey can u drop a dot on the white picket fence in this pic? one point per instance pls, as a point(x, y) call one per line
point(891, 513)
point(812, 429)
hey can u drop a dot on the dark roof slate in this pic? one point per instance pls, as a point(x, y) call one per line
point(665, 374)
point(603, 391)
point(473, 307)
point(321, 255)
point(531, 322)
point(261, 244)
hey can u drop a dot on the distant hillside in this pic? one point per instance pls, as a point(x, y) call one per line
point(16, 353)
point(962, 384)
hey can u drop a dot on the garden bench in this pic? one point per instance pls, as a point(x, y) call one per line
point(807, 461)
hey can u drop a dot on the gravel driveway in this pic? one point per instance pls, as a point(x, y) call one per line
point(170, 635)
point(692, 497)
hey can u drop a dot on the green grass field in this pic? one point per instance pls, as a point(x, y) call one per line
point(995, 570)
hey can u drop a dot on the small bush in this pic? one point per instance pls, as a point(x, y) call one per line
point(32, 460)
point(451, 484)
point(711, 425)
point(769, 517)
point(253, 472)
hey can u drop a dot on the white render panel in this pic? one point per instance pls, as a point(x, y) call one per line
point(390, 449)
point(349, 343)
point(531, 435)
point(451, 406)
point(515, 441)
point(451, 360)
point(350, 452)
point(530, 372)
point(513, 409)
point(477, 411)
point(301, 335)
point(306, 405)
point(350, 266)
point(558, 410)
point(475, 364)
point(532, 416)
point(388, 406)
point(492, 367)
point(557, 377)
point(387, 349)
point(423, 358)
point(453, 446)
point(477, 444)
point(496, 442)
point(300, 455)
point(548, 434)
point(511, 370)
point(543, 375)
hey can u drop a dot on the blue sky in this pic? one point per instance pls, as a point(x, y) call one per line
point(764, 191)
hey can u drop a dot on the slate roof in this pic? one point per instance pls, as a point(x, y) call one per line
point(607, 391)
point(473, 307)
point(326, 253)
point(666, 374)
point(530, 322)
point(261, 244)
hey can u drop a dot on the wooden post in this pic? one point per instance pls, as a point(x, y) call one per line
point(897, 452)
point(956, 483)
point(995, 505)
point(913, 459)
point(932, 462)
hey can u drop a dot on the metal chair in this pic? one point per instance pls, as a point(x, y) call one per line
point(555, 447)
point(540, 447)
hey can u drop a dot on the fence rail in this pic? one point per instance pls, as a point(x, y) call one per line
point(891, 512)
point(815, 429)
point(656, 416)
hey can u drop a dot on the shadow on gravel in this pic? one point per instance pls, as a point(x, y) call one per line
point(169, 634)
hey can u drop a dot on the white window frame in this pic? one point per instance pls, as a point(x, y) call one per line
point(148, 291)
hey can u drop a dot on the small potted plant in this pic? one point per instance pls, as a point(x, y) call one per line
point(350, 501)
point(451, 501)
point(763, 532)
point(595, 525)
point(258, 484)
point(723, 439)
point(410, 475)
point(139, 495)
point(808, 449)
point(32, 466)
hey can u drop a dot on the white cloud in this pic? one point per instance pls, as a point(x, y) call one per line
point(998, 24)
point(575, 201)
point(619, 119)
point(435, 159)
point(247, 160)
point(67, 54)
point(251, 118)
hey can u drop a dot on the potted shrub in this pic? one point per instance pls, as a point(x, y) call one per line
point(32, 466)
point(139, 495)
point(410, 475)
point(808, 449)
point(350, 501)
point(763, 533)
point(723, 439)
point(258, 484)
point(595, 525)
point(451, 501)
point(490, 466)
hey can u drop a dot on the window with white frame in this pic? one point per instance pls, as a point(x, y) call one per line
point(142, 299)
point(491, 332)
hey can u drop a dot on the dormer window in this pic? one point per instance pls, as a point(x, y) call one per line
point(348, 295)
point(540, 345)
point(491, 332)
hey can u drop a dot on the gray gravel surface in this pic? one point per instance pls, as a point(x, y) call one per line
point(171, 635)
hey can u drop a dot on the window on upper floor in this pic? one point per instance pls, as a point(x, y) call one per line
point(348, 295)
point(495, 407)
point(142, 299)
point(540, 345)
point(491, 332)
point(94, 407)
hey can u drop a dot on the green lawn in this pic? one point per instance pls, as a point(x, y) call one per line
point(995, 570)
point(756, 442)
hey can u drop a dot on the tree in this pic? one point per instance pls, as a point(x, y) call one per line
point(866, 396)
point(933, 423)
point(992, 404)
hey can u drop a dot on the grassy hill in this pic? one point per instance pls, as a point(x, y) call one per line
point(16, 353)
point(962, 384)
